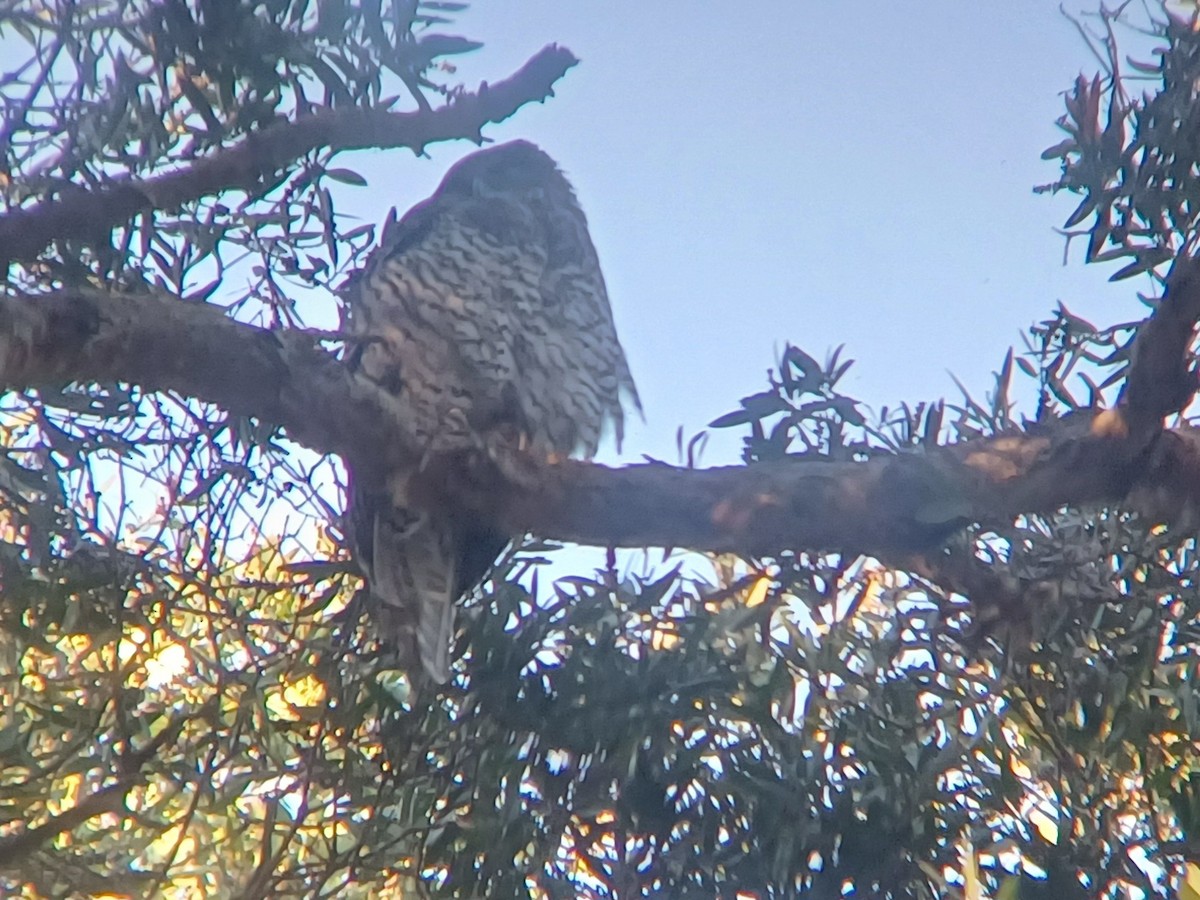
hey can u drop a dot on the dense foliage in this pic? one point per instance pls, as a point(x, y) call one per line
point(193, 702)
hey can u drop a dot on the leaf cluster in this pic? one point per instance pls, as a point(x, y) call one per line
point(1132, 159)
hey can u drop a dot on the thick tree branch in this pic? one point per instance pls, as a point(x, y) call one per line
point(1159, 382)
point(894, 504)
point(164, 344)
point(899, 503)
point(25, 233)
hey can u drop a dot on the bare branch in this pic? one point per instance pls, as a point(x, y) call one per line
point(24, 234)
point(108, 799)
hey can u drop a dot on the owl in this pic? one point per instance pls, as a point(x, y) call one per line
point(484, 310)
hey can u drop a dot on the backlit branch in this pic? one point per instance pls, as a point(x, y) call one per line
point(160, 343)
point(889, 505)
point(246, 166)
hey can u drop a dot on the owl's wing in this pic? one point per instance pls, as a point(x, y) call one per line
point(429, 312)
point(485, 306)
point(579, 350)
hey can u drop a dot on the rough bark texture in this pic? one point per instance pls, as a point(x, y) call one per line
point(897, 504)
point(161, 343)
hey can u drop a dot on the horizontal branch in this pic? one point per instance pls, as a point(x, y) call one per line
point(895, 503)
point(906, 502)
point(25, 233)
point(163, 344)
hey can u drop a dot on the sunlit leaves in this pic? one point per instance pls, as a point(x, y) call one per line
point(210, 700)
point(1133, 159)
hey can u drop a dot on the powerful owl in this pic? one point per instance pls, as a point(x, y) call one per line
point(485, 311)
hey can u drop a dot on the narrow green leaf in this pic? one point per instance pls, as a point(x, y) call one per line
point(346, 176)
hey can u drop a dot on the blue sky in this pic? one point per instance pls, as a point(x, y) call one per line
point(810, 171)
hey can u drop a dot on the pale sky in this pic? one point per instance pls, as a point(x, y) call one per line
point(811, 171)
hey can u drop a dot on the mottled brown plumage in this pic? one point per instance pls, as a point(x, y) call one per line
point(484, 308)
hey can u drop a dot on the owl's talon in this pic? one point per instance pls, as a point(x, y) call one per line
point(512, 458)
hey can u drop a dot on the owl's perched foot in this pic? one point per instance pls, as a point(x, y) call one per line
point(508, 449)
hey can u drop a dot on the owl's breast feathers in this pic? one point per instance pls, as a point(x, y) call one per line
point(484, 308)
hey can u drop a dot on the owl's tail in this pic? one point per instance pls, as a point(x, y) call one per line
point(409, 560)
point(418, 565)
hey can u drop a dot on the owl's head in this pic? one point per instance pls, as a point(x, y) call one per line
point(515, 168)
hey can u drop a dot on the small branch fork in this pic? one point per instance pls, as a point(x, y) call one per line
point(108, 799)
